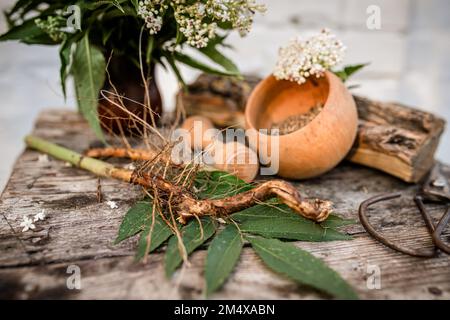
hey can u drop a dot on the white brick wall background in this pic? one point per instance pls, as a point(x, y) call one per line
point(409, 56)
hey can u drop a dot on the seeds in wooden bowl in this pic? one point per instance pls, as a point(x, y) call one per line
point(297, 121)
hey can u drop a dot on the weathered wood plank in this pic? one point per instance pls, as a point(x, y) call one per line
point(80, 231)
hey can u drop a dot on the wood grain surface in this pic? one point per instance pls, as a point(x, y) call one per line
point(80, 231)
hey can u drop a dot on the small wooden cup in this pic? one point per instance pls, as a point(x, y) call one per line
point(315, 148)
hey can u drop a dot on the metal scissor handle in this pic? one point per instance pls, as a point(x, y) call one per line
point(435, 188)
point(384, 240)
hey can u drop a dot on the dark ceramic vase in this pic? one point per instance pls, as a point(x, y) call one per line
point(127, 80)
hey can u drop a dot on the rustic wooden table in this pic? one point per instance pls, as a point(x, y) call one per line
point(80, 231)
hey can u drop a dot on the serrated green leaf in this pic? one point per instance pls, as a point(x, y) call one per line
point(25, 32)
point(192, 239)
point(258, 220)
point(200, 65)
point(301, 266)
point(268, 210)
point(175, 69)
point(160, 233)
point(293, 229)
point(215, 55)
point(336, 222)
point(218, 184)
point(349, 70)
point(88, 70)
point(223, 254)
point(117, 5)
point(65, 53)
point(135, 220)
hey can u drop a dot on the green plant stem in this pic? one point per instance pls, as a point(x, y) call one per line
point(99, 167)
point(95, 166)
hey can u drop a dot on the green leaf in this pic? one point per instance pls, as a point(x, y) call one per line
point(106, 34)
point(223, 254)
point(88, 70)
point(336, 222)
point(274, 220)
point(65, 53)
point(271, 209)
point(27, 32)
point(135, 3)
point(160, 233)
point(192, 239)
point(293, 229)
point(117, 5)
point(349, 70)
point(175, 69)
point(135, 220)
point(201, 66)
point(301, 266)
point(212, 53)
point(219, 184)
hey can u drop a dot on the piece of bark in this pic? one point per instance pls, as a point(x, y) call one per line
point(392, 137)
point(396, 139)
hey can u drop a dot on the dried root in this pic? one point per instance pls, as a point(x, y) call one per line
point(188, 207)
point(315, 209)
point(178, 198)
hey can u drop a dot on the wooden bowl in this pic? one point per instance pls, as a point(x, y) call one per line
point(318, 146)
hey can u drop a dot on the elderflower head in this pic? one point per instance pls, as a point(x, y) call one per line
point(52, 26)
point(312, 57)
point(199, 20)
point(150, 11)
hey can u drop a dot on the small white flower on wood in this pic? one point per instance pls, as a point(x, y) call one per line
point(43, 158)
point(39, 216)
point(27, 224)
point(112, 204)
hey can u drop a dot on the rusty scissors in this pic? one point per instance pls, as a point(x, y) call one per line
point(436, 188)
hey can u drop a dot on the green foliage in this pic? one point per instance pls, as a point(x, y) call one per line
point(135, 220)
point(154, 235)
point(302, 266)
point(113, 27)
point(196, 64)
point(223, 254)
point(193, 234)
point(349, 70)
point(293, 229)
point(218, 184)
point(271, 220)
point(88, 71)
point(336, 222)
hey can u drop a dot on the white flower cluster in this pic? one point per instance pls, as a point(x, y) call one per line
point(150, 11)
point(198, 20)
point(29, 223)
point(238, 12)
point(302, 59)
point(52, 26)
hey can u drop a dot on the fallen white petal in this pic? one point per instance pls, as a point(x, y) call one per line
point(43, 158)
